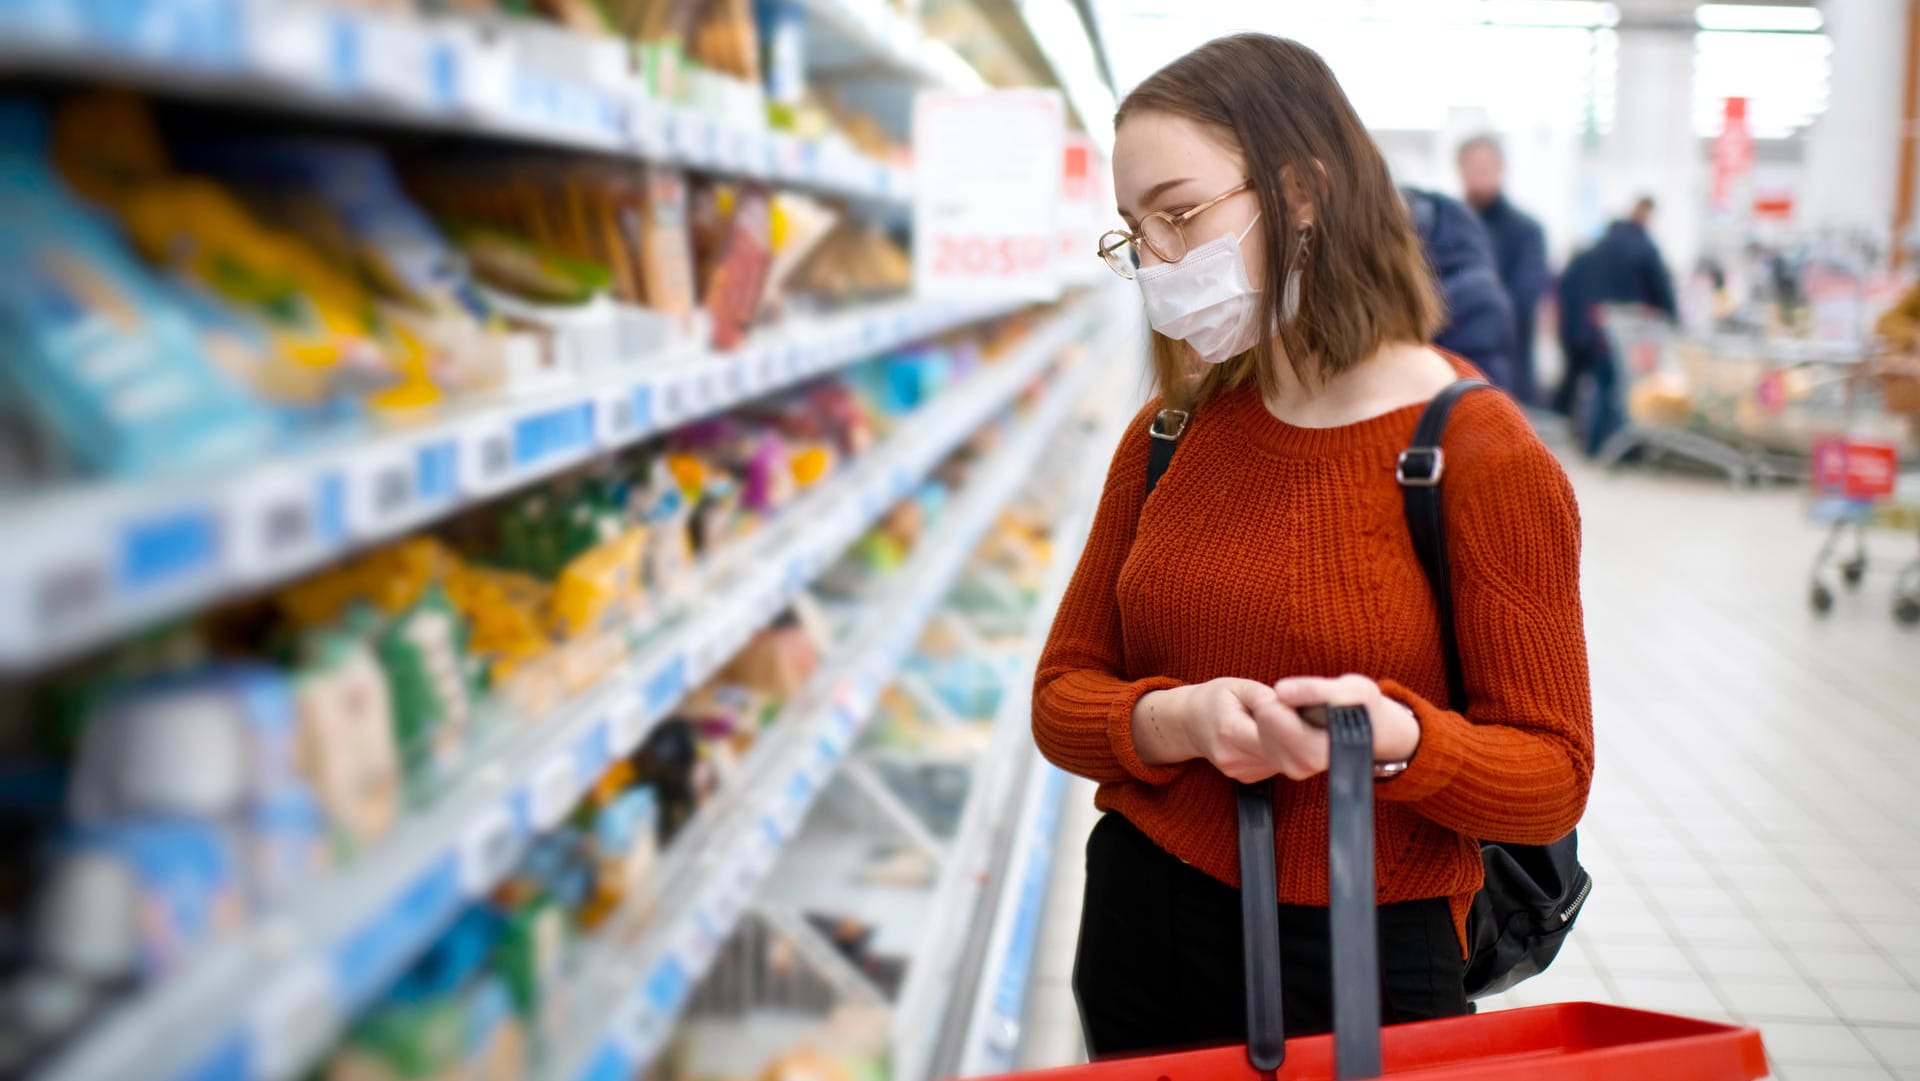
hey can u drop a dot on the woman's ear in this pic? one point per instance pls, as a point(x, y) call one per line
point(1300, 201)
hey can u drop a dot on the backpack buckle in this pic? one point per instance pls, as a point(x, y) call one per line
point(1420, 467)
point(1156, 427)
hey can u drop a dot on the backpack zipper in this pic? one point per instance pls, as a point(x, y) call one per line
point(1579, 899)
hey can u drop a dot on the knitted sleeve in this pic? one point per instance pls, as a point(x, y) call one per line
point(1082, 699)
point(1517, 765)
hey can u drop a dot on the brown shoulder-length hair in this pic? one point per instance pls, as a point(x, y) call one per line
point(1364, 279)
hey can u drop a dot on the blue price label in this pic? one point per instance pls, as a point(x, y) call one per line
point(667, 686)
point(368, 961)
point(666, 986)
point(163, 548)
point(551, 432)
point(437, 471)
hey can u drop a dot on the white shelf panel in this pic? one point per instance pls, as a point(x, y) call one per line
point(268, 1004)
point(521, 81)
point(98, 560)
point(717, 871)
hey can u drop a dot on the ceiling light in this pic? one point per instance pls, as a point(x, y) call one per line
point(1759, 18)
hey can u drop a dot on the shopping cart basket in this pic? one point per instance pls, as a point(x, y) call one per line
point(1546, 1043)
point(1856, 486)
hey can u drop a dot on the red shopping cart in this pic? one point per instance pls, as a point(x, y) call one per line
point(1572, 1042)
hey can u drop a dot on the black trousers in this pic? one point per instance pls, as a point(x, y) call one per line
point(1160, 964)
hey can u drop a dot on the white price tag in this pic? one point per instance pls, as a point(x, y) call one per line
point(747, 150)
point(275, 522)
point(739, 376)
point(616, 422)
point(293, 1021)
point(488, 847)
point(669, 401)
point(648, 127)
point(708, 388)
point(693, 136)
point(485, 85)
point(380, 490)
point(766, 369)
point(399, 61)
point(626, 723)
point(552, 791)
point(486, 455)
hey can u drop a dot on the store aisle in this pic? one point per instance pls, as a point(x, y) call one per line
point(1754, 831)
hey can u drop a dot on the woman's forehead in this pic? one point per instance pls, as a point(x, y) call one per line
point(1151, 148)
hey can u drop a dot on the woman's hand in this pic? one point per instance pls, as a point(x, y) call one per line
point(1396, 731)
point(1241, 726)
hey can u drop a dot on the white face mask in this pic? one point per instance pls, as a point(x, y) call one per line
point(1206, 300)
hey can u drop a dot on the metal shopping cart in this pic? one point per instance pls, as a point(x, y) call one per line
point(1546, 1043)
point(1745, 406)
point(1858, 483)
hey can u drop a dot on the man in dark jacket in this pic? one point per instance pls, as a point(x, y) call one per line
point(1623, 267)
point(1479, 317)
point(1519, 249)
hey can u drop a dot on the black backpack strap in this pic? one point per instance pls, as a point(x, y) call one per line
point(1166, 428)
point(1419, 471)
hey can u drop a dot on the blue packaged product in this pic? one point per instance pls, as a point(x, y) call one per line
point(185, 885)
point(105, 359)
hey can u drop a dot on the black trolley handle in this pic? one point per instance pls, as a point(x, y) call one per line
point(1355, 930)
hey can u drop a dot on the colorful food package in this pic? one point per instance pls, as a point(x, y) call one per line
point(321, 319)
point(599, 585)
point(346, 200)
point(739, 276)
point(666, 256)
point(348, 749)
point(423, 651)
point(106, 359)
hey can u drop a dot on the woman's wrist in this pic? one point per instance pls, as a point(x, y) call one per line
point(1402, 739)
point(1160, 735)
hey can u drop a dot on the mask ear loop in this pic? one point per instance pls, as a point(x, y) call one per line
point(1290, 297)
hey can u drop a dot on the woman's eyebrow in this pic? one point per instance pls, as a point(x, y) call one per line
point(1156, 192)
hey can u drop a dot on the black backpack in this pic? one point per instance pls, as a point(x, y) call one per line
point(1533, 893)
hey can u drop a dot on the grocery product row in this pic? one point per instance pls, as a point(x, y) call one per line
point(296, 793)
point(893, 934)
point(263, 350)
point(721, 85)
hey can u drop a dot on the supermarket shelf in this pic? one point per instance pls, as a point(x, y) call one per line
point(992, 1034)
point(716, 868)
point(506, 79)
point(267, 1005)
point(935, 974)
point(95, 561)
point(866, 37)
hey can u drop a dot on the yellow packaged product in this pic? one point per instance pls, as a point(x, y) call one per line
point(599, 583)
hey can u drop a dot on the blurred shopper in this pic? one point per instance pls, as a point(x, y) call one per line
point(1271, 570)
point(1519, 249)
point(1480, 324)
point(1623, 267)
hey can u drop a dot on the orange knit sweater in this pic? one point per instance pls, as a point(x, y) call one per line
point(1270, 550)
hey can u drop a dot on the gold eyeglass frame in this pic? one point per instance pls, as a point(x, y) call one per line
point(1112, 239)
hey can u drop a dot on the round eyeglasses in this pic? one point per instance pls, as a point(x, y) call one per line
point(1160, 232)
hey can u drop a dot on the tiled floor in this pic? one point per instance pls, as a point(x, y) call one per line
point(1755, 824)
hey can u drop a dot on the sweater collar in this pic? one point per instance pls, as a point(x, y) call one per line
point(1242, 415)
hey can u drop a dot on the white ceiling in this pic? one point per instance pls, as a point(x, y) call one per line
point(1424, 64)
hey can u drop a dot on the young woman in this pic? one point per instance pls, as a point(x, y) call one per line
point(1272, 569)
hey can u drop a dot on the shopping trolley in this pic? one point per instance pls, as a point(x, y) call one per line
point(1545, 1043)
point(1746, 406)
point(1858, 484)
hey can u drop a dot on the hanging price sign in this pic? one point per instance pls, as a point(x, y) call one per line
point(987, 195)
